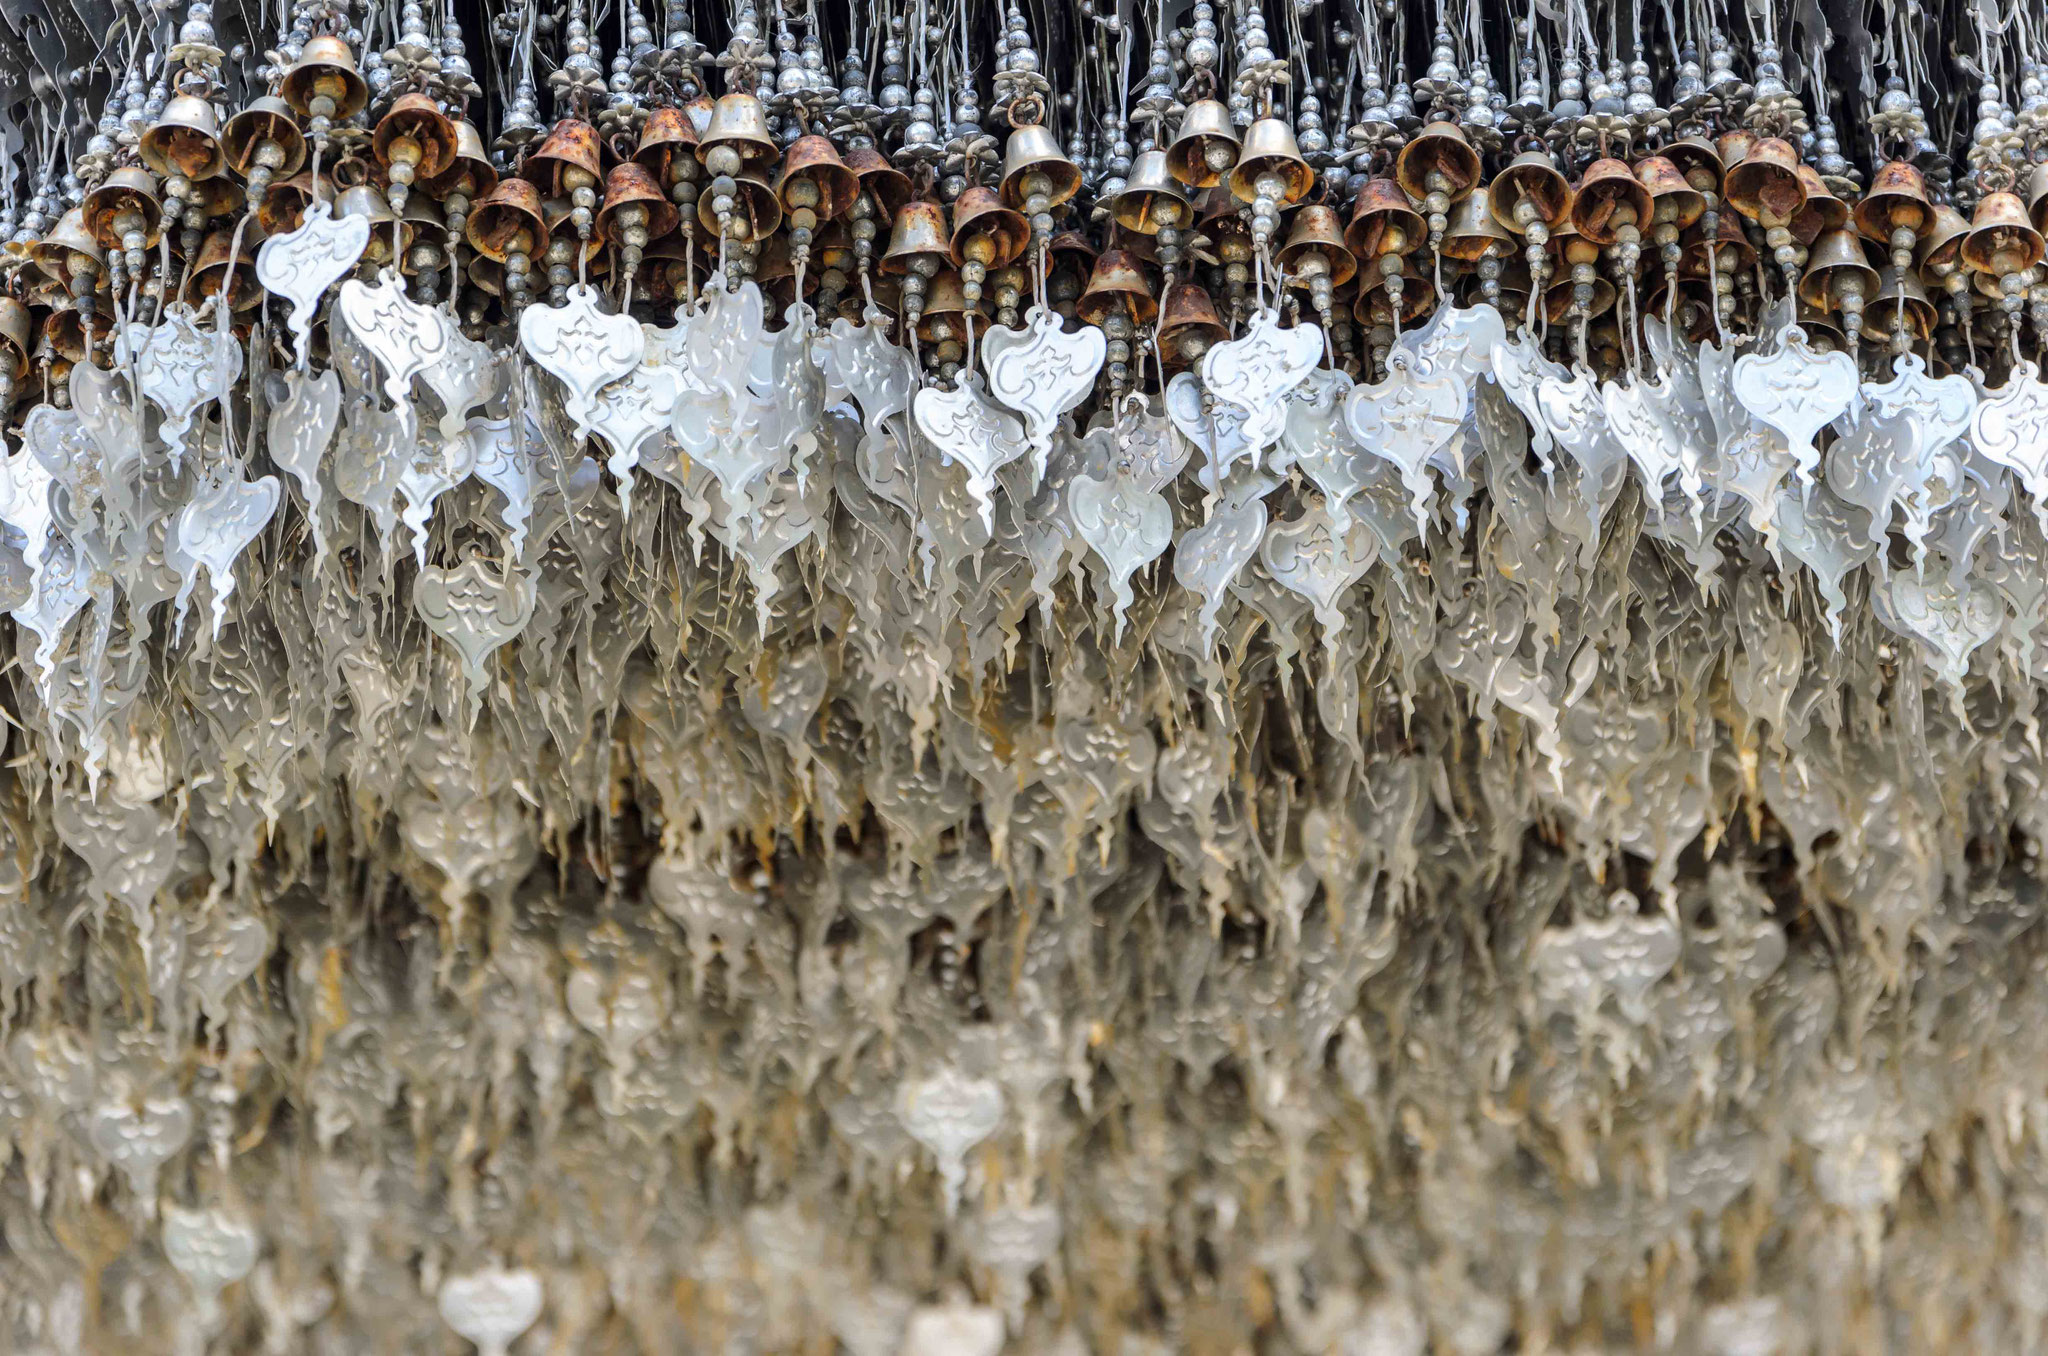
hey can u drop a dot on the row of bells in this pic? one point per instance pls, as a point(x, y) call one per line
point(1428, 221)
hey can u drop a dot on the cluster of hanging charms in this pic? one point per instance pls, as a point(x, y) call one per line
point(950, 677)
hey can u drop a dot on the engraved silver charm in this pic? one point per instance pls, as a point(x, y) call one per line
point(301, 265)
point(1798, 392)
point(1041, 372)
point(968, 429)
point(584, 348)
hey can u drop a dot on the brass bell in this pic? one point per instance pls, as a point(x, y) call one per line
point(2037, 197)
point(510, 220)
point(570, 158)
point(918, 234)
point(736, 141)
point(1731, 252)
point(1271, 165)
point(1152, 197)
point(1733, 146)
point(363, 200)
point(943, 322)
point(264, 131)
point(2002, 239)
point(1558, 297)
point(213, 270)
point(1438, 159)
point(1897, 201)
point(1609, 197)
point(284, 203)
point(628, 186)
point(124, 212)
point(17, 329)
point(756, 211)
point(1900, 298)
point(1315, 247)
point(888, 186)
point(1383, 221)
point(1821, 329)
point(1822, 212)
point(68, 249)
point(1188, 327)
point(1116, 285)
point(184, 141)
point(1764, 185)
point(1941, 244)
point(666, 138)
point(986, 232)
point(1205, 148)
point(1530, 191)
point(1474, 231)
point(414, 141)
point(323, 82)
point(1375, 305)
point(1699, 160)
point(1035, 168)
point(816, 180)
point(1673, 200)
point(1839, 277)
point(470, 173)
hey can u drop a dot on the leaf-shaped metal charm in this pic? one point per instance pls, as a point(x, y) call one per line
point(949, 1113)
point(1126, 526)
point(583, 347)
point(301, 265)
point(475, 609)
point(1320, 439)
point(1215, 427)
point(1309, 556)
point(1259, 369)
point(1207, 558)
point(1407, 419)
point(1829, 536)
point(2011, 428)
point(491, 1307)
point(437, 465)
point(1798, 392)
point(301, 426)
point(404, 337)
point(627, 413)
point(971, 431)
point(1951, 621)
point(1041, 372)
point(226, 514)
point(179, 367)
point(879, 375)
point(502, 464)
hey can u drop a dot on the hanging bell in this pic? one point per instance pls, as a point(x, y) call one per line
point(1609, 199)
point(1383, 222)
point(1530, 191)
point(2002, 239)
point(943, 322)
point(284, 203)
point(363, 200)
point(917, 238)
point(1900, 301)
point(1152, 197)
point(570, 158)
point(1117, 286)
point(1673, 200)
point(634, 205)
point(510, 220)
point(1764, 185)
point(264, 131)
point(1822, 212)
point(68, 249)
point(323, 82)
point(2037, 197)
point(124, 213)
point(1699, 160)
point(1897, 201)
point(469, 175)
point(1438, 159)
point(1037, 176)
point(816, 180)
point(667, 134)
point(1474, 232)
point(737, 141)
point(1940, 252)
point(214, 271)
point(1731, 252)
point(1205, 148)
point(184, 141)
point(753, 214)
point(1375, 304)
point(1271, 165)
point(986, 232)
point(888, 186)
point(1839, 277)
point(1315, 248)
point(415, 141)
point(1188, 327)
point(17, 331)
